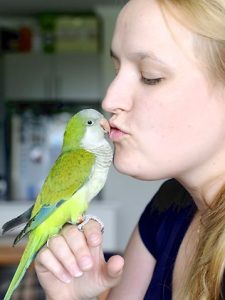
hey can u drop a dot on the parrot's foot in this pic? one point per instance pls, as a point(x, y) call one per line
point(78, 221)
point(86, 219)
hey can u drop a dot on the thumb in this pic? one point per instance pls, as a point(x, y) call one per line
point(113, 270)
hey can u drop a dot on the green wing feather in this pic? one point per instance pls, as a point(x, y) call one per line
point(43, 214)
point(70, 171)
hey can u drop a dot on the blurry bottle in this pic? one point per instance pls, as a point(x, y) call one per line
point(47, 23)
point(25, 39)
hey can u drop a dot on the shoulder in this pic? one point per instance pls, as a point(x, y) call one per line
point(171, 198)
point(169, 208)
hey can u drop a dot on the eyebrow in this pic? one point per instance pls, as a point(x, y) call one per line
point(139, 55)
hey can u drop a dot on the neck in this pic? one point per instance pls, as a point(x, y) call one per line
point(203, 194)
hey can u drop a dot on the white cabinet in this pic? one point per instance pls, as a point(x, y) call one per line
point(26, 76)
point(52, 76)
point(77, 75)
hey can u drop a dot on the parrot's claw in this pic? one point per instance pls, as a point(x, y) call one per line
point(86, 219)
point(79, 220)
point(52, 236)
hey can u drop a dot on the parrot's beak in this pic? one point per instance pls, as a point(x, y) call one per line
point(105, 125)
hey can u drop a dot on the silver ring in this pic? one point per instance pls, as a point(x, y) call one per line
point(86, 219)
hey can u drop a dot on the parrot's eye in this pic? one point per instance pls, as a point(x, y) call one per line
point(90, 122)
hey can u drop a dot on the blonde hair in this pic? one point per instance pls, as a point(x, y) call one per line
point(206, 19)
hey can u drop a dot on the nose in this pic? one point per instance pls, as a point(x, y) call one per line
point(118, 96)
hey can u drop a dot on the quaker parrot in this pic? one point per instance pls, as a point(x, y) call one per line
point(77, 176)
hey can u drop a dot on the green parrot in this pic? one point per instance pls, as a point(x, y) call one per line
point(77, 176)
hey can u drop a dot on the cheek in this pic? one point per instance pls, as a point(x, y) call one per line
point(176, 113)
point(179, 125)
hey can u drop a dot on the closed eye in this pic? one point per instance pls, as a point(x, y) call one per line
point(151, 81)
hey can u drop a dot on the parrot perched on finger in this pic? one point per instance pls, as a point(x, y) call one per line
point(77, 176)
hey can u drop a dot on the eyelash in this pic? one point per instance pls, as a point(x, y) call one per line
point(151, 81)
point(147, 81)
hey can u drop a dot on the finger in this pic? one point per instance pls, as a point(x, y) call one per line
point(79, 247)
point(47, 262)
point(65, 256)
point(115, 266)
point(113, 270)
point(93, 234)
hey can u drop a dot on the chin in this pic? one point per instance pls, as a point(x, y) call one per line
point(127, 167)
point(125, 162)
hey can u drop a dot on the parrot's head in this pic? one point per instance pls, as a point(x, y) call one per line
point(86, 129)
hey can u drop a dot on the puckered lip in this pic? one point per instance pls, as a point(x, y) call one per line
point(116, 127)
point(116, 132)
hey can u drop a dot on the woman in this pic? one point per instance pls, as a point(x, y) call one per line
point(168, 113)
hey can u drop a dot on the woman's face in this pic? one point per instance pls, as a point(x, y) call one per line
point(168, 120)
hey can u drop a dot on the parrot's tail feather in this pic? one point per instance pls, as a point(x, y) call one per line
point(21, 219)
point(34, 244)
point(21, 235)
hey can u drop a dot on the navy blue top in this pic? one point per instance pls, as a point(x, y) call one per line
point(162, 227)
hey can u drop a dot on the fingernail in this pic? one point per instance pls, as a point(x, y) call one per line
point(86, 262)
point(78, 274)
point(75, 271)
point(66, 278)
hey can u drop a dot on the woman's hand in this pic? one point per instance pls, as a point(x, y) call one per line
point(73, 267)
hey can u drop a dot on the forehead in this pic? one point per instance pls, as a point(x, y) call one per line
point(141, 26)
